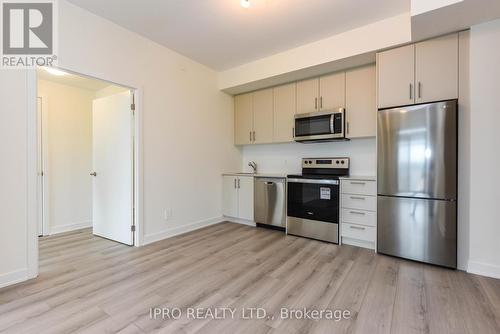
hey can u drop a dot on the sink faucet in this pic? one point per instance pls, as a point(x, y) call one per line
point(253, 165)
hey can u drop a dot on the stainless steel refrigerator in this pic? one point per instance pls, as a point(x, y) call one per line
point(417, 182)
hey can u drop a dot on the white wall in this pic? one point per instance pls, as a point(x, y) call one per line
point(485, 157)
point(286, 158)
point(110, 90)
point(187, 126)
point(13, 197)
point(422, 6)
point(69, 162)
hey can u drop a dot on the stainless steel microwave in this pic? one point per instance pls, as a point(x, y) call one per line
point(320, 126)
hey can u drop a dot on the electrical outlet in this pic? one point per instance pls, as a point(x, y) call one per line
point(167, 214)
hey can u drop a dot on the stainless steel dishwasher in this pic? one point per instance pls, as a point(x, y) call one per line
point(269, 202)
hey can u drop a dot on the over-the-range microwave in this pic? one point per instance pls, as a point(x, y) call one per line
point(320, 126)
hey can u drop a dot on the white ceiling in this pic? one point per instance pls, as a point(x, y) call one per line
point(221, 34)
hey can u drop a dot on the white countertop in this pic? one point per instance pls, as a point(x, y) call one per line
point(359, 177)
point(278, 175)
point(275, 175)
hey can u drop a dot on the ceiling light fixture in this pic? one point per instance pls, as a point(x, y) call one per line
point(245, 3)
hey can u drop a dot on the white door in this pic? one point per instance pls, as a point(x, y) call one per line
point(112, 147)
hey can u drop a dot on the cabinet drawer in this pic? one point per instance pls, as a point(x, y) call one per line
point(368, 218)
point(359, 202)
point(359, 232)
point(360, 187)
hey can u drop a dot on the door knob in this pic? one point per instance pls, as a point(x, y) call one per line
point(93, 174)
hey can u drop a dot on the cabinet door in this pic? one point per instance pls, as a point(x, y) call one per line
point(243, 119)
point(332, 91)
point(436, 69)
point(284, 111)
point(229, 196)
point(361, 108)
point(307, 96)
point(263, 116)
point(396, 77)
point(245, 197)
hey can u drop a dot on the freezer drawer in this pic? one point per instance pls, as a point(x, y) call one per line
point(269, 201)
point(418, 229)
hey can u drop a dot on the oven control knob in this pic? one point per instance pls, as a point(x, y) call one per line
point(306, 162)
point(342, 162)
point(337, 162)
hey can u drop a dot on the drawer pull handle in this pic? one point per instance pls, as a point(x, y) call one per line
point(357, 213)
point(358, 182)
point(360, 198)
point(356, 227)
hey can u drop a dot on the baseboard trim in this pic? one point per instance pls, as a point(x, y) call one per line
point(13, 277)
point(483, 269)
point(69, 227)
point(239, 221)
point(175, 231)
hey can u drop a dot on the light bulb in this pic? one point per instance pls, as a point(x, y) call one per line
point(245, 3)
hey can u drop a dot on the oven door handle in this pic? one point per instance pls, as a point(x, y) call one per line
point(313, 181)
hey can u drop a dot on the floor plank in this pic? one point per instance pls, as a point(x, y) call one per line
point(89, 284)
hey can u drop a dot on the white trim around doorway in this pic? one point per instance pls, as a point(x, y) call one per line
point(33, 216)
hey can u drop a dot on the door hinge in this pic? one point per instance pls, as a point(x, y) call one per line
point(132, 106)
point(132, 228)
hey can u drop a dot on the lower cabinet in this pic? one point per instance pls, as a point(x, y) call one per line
point(237, 196)
point(358, 214)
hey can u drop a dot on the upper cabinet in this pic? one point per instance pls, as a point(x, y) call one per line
point(262, 116)
point(361, 108)
point(284, 112)
point(396, 77)
point(267, 116)
point(324, 93)
point(243, 119)
point(332, 91)
point(436, 69)
point(253, 117)
point(418, 73)
point(307, 96)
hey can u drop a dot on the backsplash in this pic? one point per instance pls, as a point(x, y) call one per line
point(286, 158)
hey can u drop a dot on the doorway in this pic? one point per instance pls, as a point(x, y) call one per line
point(86, 156)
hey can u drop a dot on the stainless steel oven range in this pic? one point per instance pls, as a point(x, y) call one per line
point(313, 199)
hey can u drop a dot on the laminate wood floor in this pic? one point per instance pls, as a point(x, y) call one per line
point(92, 285)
